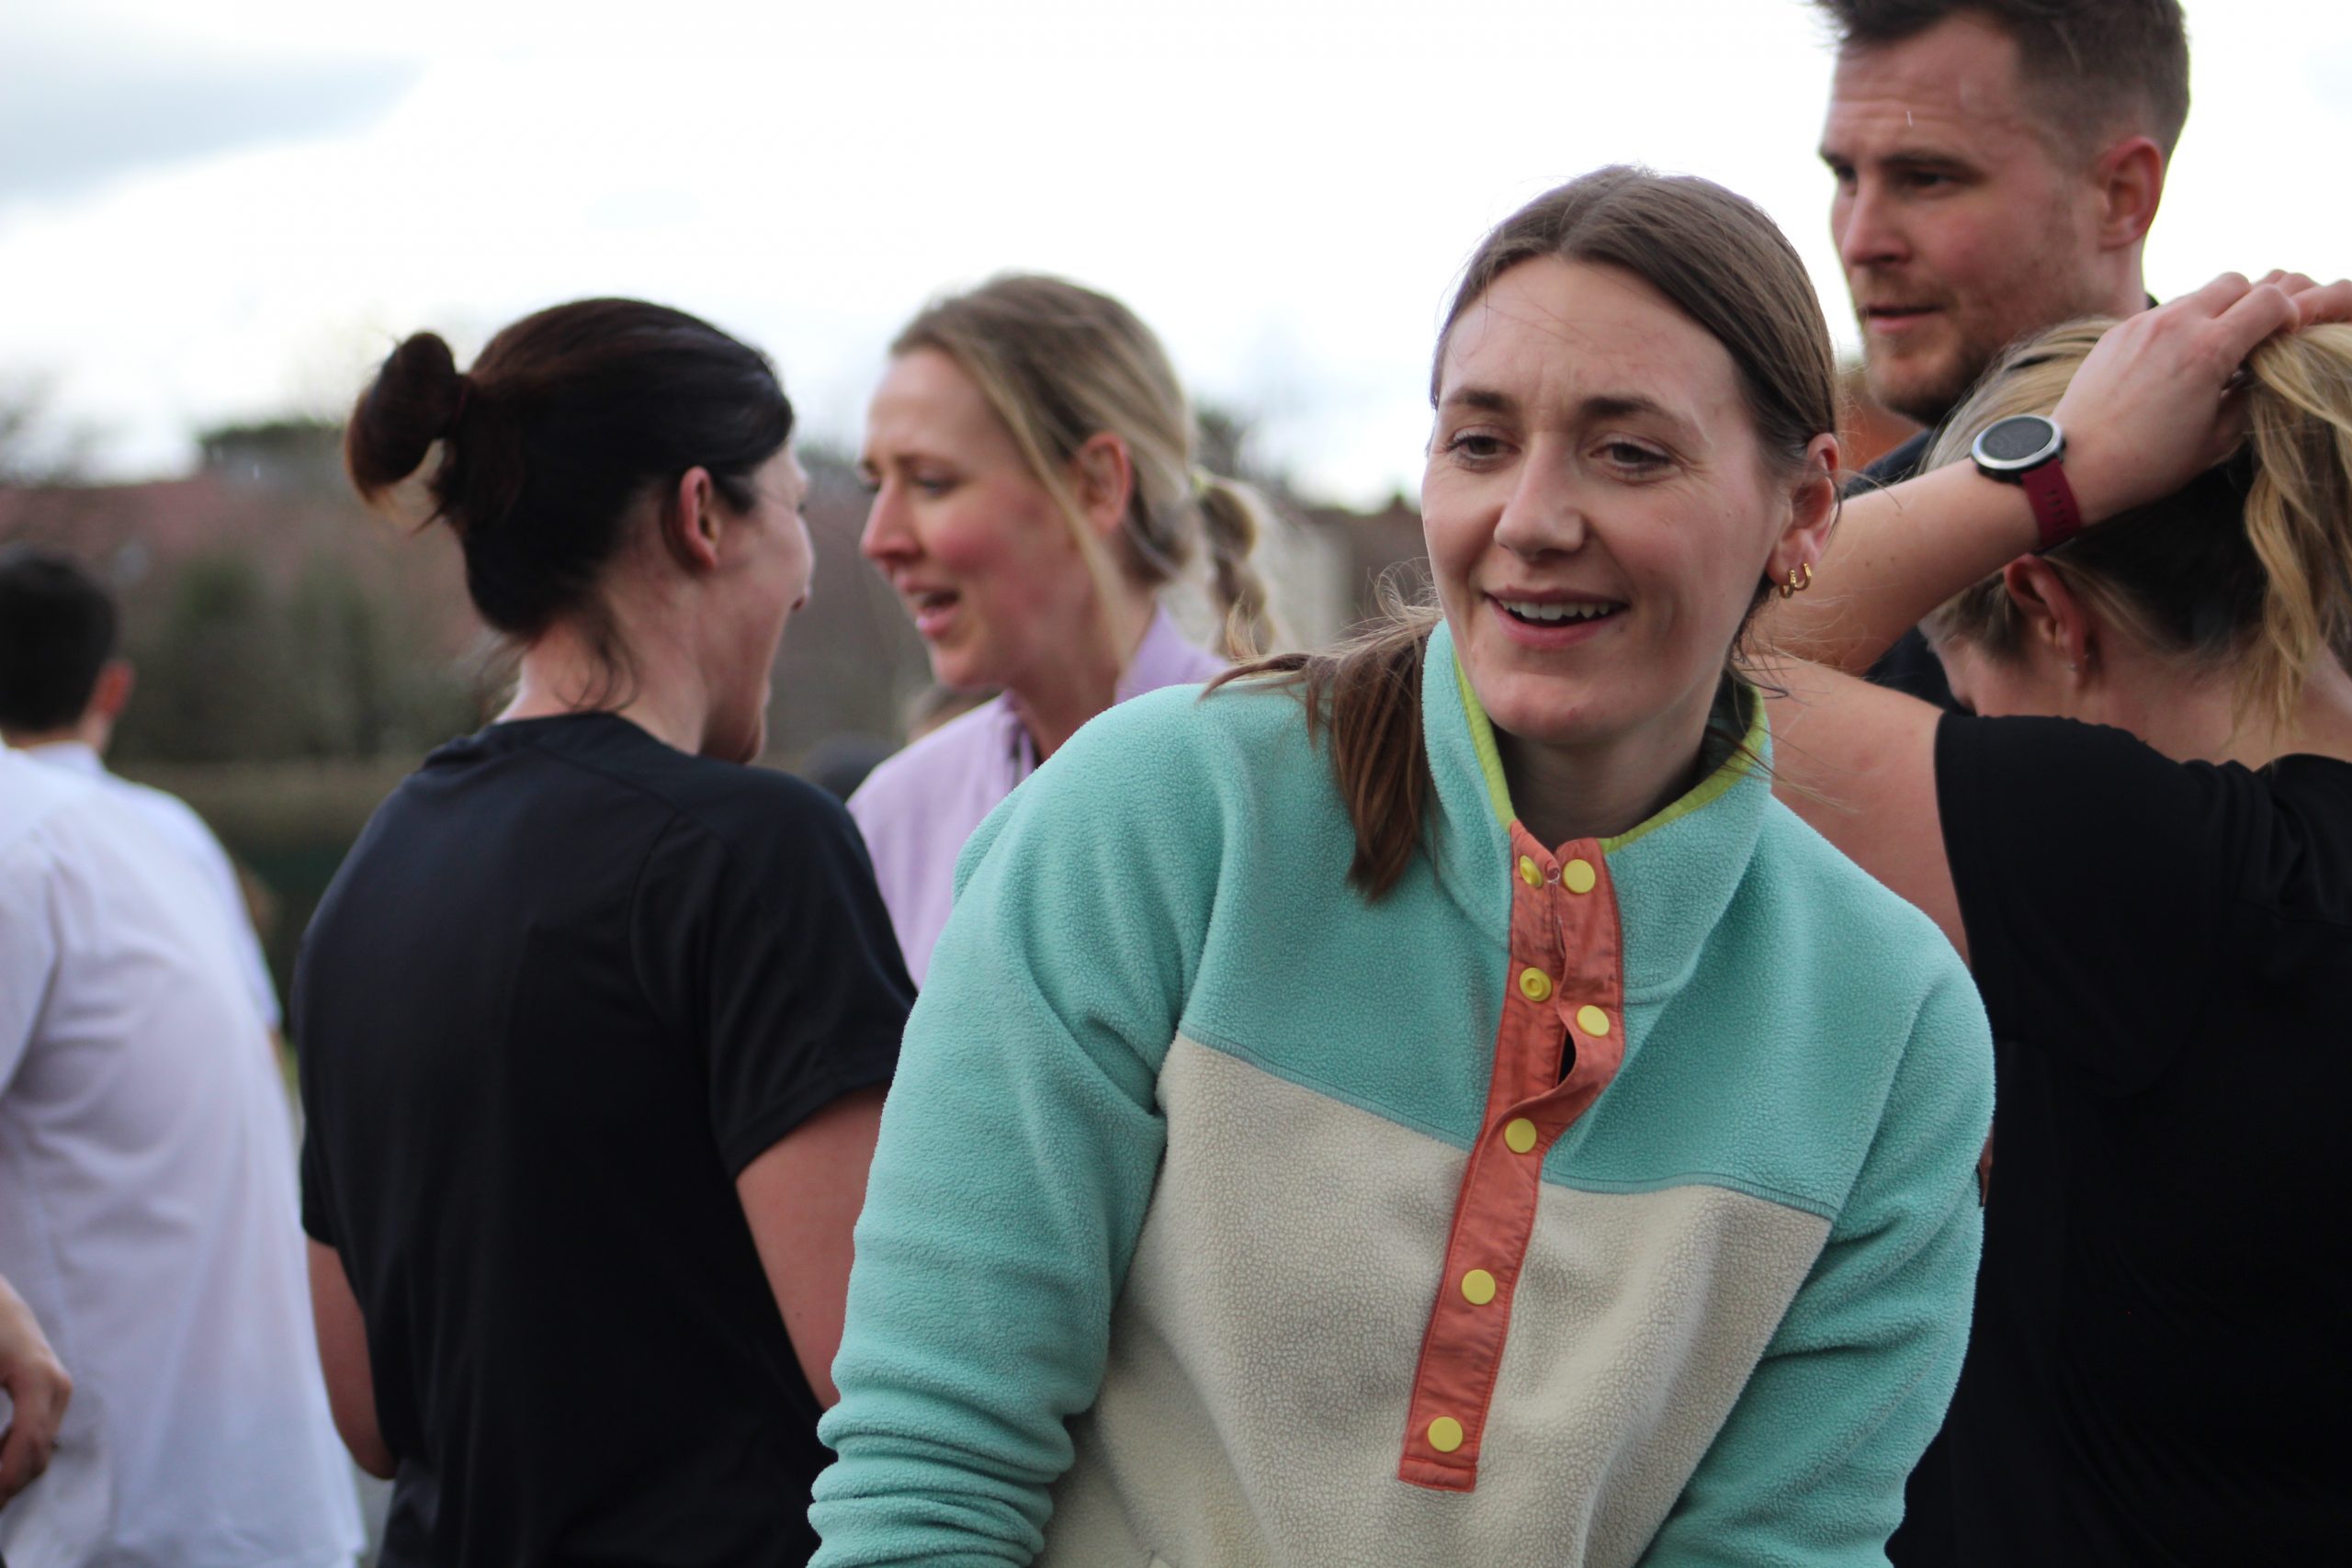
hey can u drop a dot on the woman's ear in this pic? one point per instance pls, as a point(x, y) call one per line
point(1103, 478)
point(1812, 511)
point(2057, 622)
point(690, 523)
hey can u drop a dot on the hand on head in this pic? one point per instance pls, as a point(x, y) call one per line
point(2154, 404)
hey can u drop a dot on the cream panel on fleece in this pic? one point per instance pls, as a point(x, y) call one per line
point(1263, 1353)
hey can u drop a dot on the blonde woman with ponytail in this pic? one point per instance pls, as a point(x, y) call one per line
point(1035, 491)
point(2140, 836)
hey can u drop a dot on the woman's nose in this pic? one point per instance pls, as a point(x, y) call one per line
point(885, 535)
point(1543, 513)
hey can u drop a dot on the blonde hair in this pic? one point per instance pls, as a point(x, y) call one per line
point(2249, 567)
point(1061, 364)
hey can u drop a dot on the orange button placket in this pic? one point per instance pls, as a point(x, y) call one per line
point(1572, 940)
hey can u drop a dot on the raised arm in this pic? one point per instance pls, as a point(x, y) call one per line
point(2149, 411)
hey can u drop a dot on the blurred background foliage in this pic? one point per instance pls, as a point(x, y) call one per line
point(297, 654)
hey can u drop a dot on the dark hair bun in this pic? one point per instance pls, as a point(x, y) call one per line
point(568, 421)
point(413, 402)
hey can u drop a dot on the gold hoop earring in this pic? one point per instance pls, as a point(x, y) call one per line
point(1800, 578)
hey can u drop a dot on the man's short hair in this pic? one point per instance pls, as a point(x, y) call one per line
point(2094, 66)
point(57, 631)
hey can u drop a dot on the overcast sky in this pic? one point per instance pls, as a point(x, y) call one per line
point(230, 210)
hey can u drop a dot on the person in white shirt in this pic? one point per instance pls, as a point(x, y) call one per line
point(62, 690)
point(147, 1211)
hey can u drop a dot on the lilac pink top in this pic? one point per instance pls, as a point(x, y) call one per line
point(917, 808)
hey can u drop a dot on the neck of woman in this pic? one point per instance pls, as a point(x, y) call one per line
point(2204, 724)
point(1563, 793)
point(1053, 701)
point(649, 679)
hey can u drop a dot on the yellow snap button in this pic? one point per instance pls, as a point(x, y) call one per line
point(1519, 1134)
point(1529, 872)
point(1534, 985)
point(1477, 1286)
point(1592, 1020)
point(1580, 875)
point(1445, 1434)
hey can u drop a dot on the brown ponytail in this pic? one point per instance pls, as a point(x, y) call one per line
point(1365, 691)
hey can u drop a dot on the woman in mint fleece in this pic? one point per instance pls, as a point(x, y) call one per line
point(1429, 1104)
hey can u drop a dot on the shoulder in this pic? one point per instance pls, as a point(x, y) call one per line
point(1174, 767)
point(1242, 737)
point(2048, 792)
point(910, 779)
point(1873, 977)
point(171, 816)
point(30, 795)
point(757, 816)
point(1822, 901)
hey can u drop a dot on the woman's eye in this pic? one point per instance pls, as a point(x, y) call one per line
point(933, 485)
point(1474, 446)
point(1633, 455)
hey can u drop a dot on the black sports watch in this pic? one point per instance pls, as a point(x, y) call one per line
point(2027, 449)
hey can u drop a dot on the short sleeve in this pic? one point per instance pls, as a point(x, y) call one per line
point(762, 932)
point(2095, 884)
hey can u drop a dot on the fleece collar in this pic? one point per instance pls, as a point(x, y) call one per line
point(1674, 873)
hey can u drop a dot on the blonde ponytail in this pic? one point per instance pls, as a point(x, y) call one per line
point(1234, 517)
point(2248, 568)
point(2299, 513)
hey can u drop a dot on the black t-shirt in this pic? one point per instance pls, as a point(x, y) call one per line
point(568, 984)
point(2157, 1370)
point(1910, 665)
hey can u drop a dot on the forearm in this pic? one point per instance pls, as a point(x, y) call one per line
point(1895, 556)
point(980, 1304)
point(2148, 410)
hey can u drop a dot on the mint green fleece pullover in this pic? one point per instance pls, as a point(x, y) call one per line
point(1599, 1203)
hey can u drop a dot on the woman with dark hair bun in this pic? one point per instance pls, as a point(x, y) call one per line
point(594, 1021)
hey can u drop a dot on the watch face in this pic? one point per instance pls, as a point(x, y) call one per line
point(2018, 441)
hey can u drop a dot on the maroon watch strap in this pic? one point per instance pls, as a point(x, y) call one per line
point(2052, 498)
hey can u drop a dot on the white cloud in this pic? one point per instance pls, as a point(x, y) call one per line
point(1284, 191)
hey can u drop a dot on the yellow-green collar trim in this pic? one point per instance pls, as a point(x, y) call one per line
point(1482, 740)
point(1708, 791)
